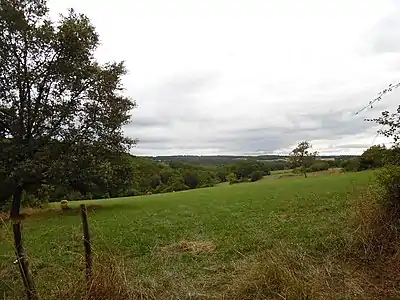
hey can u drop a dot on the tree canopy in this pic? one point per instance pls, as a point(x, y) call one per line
point(59, 107)
point(301, 157)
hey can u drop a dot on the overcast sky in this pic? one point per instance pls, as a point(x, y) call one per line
point(250, 77)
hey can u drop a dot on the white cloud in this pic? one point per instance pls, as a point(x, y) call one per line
point(246, 76)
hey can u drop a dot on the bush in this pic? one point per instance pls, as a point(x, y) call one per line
point(131, 192)
point(351, 165)
point(319, 166)
point(389, 179)
point(266, 172)
point(232, 178)
point(160, 189)
point(175, 187)
point(256, 175)
point(75, 195)
point(298, 170)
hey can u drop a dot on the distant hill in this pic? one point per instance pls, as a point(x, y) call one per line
point(229, 159)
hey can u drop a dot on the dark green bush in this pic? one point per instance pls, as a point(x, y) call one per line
point(298, 170)
point(232, 178)
point(389, 179)
point(256, 175)
point(319, 166)
point(75, 195)
point(351, 165)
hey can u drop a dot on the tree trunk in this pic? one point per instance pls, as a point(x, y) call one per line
point(19, 248)
point(305, 175)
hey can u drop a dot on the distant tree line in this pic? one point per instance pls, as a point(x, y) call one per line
point(212, 160)
point(122, 175)
point(247, 170)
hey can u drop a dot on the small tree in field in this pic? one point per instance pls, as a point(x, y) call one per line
point(58, 105)
point(301, 157)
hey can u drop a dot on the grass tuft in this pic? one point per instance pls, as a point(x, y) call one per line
point(287, 274)
point(109, 281)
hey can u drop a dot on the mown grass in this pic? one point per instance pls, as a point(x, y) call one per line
point(155, 237)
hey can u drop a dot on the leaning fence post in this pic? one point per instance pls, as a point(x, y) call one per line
point(86, 243)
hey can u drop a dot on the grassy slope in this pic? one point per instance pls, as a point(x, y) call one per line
point(240, 220)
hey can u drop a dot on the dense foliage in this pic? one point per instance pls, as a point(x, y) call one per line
point(61, 111)
point(301, 158)
point(374, 157)
point(247, 170)
point(126, 175)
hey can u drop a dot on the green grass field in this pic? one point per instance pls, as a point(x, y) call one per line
point(228, 224)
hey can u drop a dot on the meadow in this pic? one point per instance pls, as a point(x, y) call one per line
point(186, 245)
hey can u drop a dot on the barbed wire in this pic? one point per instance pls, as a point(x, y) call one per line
point(371, 103)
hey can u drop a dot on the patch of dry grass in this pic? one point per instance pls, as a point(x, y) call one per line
point(376, 242)
point(376, 226)
point(109, 281)
point(285, 274)
point(114, 280)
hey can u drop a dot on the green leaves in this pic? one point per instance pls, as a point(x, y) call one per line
point(301, 157)
point(55, 98)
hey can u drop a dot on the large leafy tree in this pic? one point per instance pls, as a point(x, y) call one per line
point(58, 104)
point(301, 157)
point(373, 157)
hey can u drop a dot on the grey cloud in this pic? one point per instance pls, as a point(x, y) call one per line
point(173, 121)
point(271, 138)
point(386, 34)
point(354, 146)
point(171, 101)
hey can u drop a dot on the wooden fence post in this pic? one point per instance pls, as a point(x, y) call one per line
point(86, 243)
point(23, 262)
point(22, 259)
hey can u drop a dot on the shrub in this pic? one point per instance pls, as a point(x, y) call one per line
point(74, 195)
point(256, 175)
point(176, 186)
point(298, 170)
point(64, 204)
point(232, 178)
point(266, 172)
point(160, 189)
point(389, 179)
point(132, 192)
point(319, 166)
point(351, 165)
